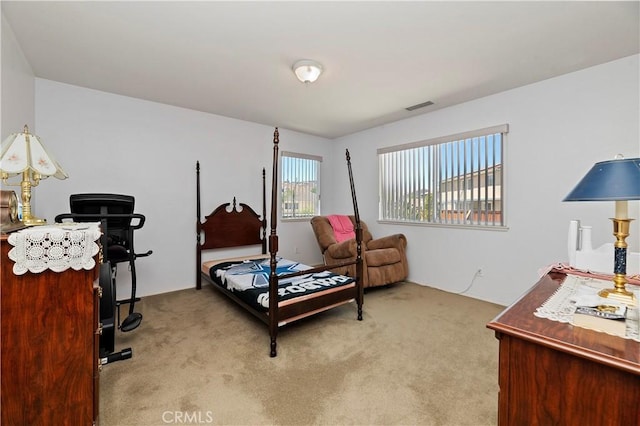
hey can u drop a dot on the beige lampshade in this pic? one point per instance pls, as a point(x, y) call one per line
point(23, 152)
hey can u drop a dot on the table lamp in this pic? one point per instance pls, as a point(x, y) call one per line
point(614, 180)
point(24, 154)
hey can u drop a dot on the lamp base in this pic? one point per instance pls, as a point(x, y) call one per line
point(619, 292)
point(619, 295)
point(34, 221)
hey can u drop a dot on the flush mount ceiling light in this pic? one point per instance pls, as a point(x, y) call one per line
point(307, 70)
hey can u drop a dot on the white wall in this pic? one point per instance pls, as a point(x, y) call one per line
point(558, 129)
point(115, 144)
point(18, 88)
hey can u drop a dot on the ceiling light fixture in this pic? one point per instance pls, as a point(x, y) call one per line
point(307, 70)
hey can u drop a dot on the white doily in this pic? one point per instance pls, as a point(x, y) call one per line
point(54, 247)
point(561, 305)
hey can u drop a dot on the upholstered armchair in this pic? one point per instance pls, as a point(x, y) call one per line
point(384, 259)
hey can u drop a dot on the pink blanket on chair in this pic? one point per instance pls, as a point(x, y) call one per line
point(342, 227)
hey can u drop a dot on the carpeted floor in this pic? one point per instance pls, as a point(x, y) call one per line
point(420, 357)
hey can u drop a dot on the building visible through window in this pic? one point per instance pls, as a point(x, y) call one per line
point(452, 180)
point(300, 185)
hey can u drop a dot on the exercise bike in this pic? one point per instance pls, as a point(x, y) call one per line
point(117, 221)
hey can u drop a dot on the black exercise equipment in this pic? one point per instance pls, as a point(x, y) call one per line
point(118, 221)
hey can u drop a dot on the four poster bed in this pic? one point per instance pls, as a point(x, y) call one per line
point(254, 281)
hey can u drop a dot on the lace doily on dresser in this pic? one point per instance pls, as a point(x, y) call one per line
point(55, 247)
point(561, 305)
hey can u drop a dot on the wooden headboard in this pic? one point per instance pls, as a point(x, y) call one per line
point(232, 227)
point(229, 226)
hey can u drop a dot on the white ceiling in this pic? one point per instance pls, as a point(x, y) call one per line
point(234, 58)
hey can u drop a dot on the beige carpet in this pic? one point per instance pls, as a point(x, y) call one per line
point(420, 357)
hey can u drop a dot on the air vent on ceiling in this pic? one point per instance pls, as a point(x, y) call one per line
point(422, 105)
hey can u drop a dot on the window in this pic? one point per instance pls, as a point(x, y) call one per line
point(300, 185)
point(451, 180)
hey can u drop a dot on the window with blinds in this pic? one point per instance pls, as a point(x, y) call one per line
point(300, 185)
point(451, 180)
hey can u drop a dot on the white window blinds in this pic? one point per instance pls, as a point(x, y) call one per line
point(452, 180)
point(300, 185)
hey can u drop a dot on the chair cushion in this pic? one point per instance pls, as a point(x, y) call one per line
point(117, 253)
point(382, 257)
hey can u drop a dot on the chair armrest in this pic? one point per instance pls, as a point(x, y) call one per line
point(398, 241)
point(342, 250)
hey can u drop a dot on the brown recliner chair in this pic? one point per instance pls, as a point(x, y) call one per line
point(384, 259)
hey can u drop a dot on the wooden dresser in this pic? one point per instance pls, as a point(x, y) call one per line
point(49, 337)
point(554, 373)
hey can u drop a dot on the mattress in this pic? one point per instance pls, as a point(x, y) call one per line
point(249, 280)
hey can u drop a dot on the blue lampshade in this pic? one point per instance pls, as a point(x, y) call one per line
point(613, 180)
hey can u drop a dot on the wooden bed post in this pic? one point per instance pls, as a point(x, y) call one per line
point(198, 229)
point(273, 249)
point(356, 214)
point(264, 212)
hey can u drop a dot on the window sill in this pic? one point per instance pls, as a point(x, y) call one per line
point(500, 228)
